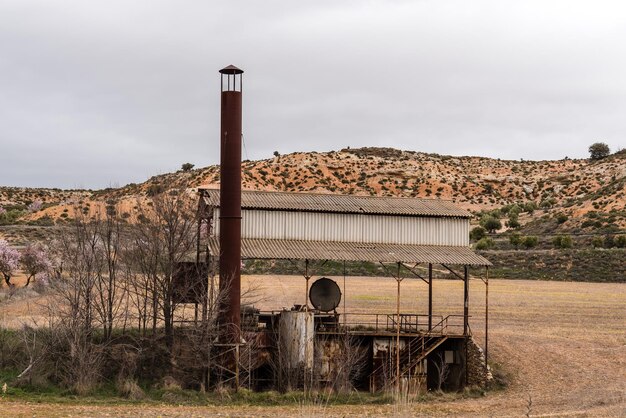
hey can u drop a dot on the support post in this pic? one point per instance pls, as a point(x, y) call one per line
point(466, 317)
point(430, 296)
point(236, 366)
point(465, 300)
point(306, 290)
point(486, 320)
point(398, 280)
point(345, 319)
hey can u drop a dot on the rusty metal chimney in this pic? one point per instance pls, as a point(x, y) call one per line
point(230, 201)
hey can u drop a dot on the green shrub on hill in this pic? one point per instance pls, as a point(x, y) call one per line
point(484, 244)
point(530, 241)
point(563, 241)
point(477, 233)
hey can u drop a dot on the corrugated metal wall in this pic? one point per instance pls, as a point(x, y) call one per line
point(311, 226)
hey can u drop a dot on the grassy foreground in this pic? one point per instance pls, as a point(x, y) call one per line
point(563, 345)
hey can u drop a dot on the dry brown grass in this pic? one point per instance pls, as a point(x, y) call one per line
point(562, 343)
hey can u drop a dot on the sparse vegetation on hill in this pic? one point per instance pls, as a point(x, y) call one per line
point(569, 188)
point(533, 199)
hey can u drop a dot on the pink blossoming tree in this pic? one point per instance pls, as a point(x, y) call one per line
point(34, 261)
point(9, 261)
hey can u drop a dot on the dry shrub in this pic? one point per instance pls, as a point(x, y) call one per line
point(223, 392)
point(172, 391)
point(122, 360)
point(174, 397)
point(69, 358)
point(73, 364)
point(129, 388)
point(154, 361)
point(12, 352)
point(169, 383)
point(83, 368)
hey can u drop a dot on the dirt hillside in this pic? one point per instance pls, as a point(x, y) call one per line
point(583, 190)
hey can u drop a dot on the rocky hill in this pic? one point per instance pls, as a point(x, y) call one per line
point(570, 195)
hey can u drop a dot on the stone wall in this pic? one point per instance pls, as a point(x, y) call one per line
point(478, 375)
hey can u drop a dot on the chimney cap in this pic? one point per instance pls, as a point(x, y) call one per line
point(231, 69)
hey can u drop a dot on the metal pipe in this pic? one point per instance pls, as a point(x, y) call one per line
point(430, 296)
point(466, 318)
point(465, 300)
point(306, 289)
point(398, 279)
point(230, 206)
point(486, 320)
point(344, 296)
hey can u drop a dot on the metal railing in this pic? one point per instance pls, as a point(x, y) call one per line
point(381, 323)
point(409, 323)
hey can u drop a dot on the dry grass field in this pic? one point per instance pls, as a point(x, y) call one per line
point(562, 344)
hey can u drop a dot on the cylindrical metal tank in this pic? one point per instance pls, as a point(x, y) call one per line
point(296, 336)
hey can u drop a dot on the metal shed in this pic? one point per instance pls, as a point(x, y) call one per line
point(350, 228)
point(399, 233)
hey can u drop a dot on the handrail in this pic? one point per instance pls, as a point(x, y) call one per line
point(411, 323)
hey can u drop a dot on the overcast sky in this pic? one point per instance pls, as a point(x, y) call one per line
point(103, 93)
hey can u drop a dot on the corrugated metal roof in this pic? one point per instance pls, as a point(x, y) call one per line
point(316, 202)
point(352, 251)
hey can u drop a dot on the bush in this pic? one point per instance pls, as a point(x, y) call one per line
point(490, 223)
point(515, 239)
point(155, 189)
point(477, 233)
point(597, 242)
point(513, 221)
point(530, 207)
point(187, 167)
point(129, 388)
point(598, 151)
point(563, 241)
point(11, 216)
point(620, 241)
point(484, 244)
point(530, 241)
point(45, 220)
point(515, 209)
point(561, 218)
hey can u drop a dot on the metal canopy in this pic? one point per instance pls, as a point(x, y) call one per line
point(334, 203)
point(353, 251)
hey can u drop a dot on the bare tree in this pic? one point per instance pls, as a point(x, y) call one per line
point(79, 264)
point(110, 290)
point(442, 368)
point(164, 237)
point(199, 351)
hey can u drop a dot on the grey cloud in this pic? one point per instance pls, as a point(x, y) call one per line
point(99, 93)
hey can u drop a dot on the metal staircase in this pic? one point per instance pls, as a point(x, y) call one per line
point(416, 350)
